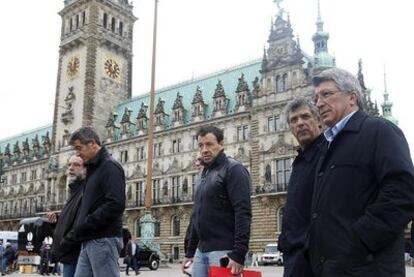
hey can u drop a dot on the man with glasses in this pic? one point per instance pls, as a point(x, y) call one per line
point(303, 119)
point(364, 186)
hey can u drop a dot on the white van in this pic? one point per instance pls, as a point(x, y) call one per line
point(9, 236)
point(271, 255)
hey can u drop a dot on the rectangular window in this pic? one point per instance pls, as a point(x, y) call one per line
point(176, 145)
point(23, 177)
point(195, 143)
point(14, 179)
point(242, 133)
point(275, 123)
point(156, 192)
point(124, 156)
point(283, 171)
point(270, 124)
point(157, 149)
point(175, 188)
point(140, 153)
point(33, 175)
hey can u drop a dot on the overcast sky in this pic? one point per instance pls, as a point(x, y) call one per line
point(196, 37)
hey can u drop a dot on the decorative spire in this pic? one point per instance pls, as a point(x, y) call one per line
point(322, 58)
point(319, 22)
point(387, 105)
point(280, 9)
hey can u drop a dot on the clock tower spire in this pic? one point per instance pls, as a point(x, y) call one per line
point(95, 64)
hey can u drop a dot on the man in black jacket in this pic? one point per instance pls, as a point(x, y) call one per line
point(303, 119)
point(67, 253)
point(221, 215)
point(98, 224)
point(364, 186)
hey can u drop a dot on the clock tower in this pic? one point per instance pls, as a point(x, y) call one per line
point(95, 65)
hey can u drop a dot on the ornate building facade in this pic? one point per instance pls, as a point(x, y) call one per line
point(94, 88)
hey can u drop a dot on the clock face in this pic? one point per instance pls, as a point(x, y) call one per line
point(73, 66)
point(112, 68)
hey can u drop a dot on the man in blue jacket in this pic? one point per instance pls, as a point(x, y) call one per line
point(99, 221)
point(220, 223)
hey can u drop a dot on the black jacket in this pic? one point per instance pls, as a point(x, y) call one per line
point(297, 216)
point(103, 201)
point(222, 210)
point(362, 201)
point(129, 249)
point(68, 251)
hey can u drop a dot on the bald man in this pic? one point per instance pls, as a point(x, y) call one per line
point(65, 249)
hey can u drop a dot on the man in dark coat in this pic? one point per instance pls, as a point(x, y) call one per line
point(98, 224)
point(68, 252)
point(364, 186)
point(303, 119)
point(221, 215)
point(132, 252)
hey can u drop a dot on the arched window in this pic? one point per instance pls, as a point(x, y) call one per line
point(105, 20)
point(175, 226)
point(280, 213)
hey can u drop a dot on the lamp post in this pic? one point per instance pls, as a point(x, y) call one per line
point(147, 222)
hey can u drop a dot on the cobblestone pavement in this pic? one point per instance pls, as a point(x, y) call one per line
point(173, 270)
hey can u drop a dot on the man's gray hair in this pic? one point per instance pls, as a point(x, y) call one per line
point(345, 81)
point(85, 135)
point(299, 102)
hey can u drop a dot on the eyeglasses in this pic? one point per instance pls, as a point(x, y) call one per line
point(324, 95)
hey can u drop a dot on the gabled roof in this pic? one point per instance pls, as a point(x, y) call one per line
point(229, 79)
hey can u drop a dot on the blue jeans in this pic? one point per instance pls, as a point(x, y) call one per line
point(99, 257)
point(202, 261)
point(69, 270)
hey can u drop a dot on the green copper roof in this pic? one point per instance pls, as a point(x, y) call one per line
point(187, 89)
point(324, 59)
point(30, 135)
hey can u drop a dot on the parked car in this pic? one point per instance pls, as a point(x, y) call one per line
point(149, 258)
point(146, 257)
point(271, 255)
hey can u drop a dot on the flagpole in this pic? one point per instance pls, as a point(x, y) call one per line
point(148, 184)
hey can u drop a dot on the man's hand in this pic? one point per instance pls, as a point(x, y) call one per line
point(51, 217)
point(236, 268)
point(186, 263)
